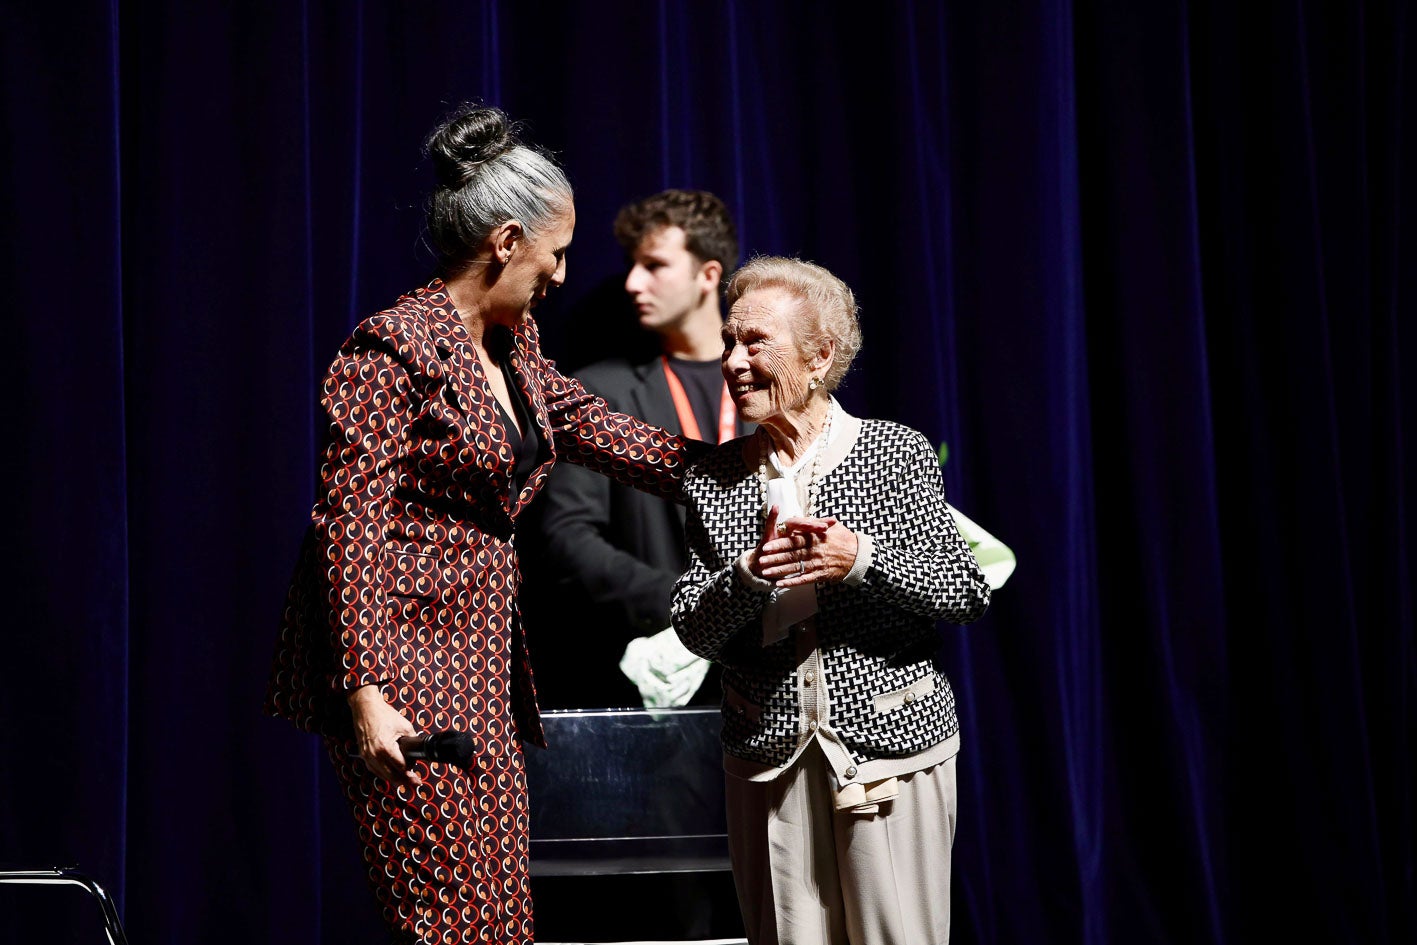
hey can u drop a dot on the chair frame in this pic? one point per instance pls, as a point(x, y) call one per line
point(112, 926)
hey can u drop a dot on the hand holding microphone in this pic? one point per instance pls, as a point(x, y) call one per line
point(390, 745)
point(377, 728)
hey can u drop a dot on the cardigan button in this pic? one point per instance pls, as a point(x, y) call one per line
point(909, 698)
point(808, 677)
point(850, 772)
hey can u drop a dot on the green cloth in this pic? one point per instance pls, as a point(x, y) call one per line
point(995, 558)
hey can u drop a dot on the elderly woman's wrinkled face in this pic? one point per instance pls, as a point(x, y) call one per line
point(763, 363)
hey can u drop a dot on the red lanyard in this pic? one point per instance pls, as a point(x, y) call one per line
point(727, 416)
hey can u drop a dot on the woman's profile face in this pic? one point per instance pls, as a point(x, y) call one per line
point(536, 265)
point(762, 360)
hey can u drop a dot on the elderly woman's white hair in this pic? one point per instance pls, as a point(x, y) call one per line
point(825, 311)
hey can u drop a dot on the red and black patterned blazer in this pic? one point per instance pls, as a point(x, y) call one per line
point(408, 576)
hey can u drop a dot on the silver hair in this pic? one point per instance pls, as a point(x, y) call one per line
point(487, 176)
point(825, 313)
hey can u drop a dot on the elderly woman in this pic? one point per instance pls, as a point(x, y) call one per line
point(821, 558)
point(402, 617)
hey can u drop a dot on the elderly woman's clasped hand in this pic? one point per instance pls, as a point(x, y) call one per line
point(804, 550)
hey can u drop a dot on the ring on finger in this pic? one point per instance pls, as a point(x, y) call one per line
point(801, 565)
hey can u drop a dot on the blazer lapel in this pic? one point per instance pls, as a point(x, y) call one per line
point(468, 383)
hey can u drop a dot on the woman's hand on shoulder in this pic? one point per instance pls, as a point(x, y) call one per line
point(377, 729)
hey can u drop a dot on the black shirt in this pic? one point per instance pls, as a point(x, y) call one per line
point(703, 384)
point(526, 445)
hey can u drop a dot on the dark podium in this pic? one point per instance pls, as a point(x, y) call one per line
point(627, 817)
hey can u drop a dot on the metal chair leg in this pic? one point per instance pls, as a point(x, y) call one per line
point(69, 877)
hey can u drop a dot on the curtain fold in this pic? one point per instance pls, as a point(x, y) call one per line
point(67, 706)
point(1143, 268)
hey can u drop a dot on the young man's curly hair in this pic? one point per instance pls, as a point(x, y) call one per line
point(709, 232)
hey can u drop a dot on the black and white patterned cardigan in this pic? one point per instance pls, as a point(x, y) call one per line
point(876, 639)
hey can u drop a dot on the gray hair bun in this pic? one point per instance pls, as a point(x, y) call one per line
point(468, 137)
point(486, 176)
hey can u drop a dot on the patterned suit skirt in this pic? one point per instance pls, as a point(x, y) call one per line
point(448, 858)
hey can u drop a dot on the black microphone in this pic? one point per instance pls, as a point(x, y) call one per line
point(454, 748)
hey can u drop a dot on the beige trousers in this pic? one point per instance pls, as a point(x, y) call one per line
point(810, 875)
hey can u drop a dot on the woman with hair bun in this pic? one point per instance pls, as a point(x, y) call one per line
point(402, 618)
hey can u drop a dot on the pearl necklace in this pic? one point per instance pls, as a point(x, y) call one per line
point(819, 450)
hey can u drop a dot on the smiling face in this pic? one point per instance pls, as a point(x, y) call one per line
point(763, 363)
point(534, 265)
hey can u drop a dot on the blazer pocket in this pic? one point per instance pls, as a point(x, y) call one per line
point(915, 692)
point(741, 706)
point(412, 570)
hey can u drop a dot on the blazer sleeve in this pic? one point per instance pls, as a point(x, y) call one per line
point(618, 445)
point(920, 563)
point(369, 397)
point(713, 601)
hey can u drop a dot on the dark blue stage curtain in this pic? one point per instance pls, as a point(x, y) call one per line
point(1148, 268)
